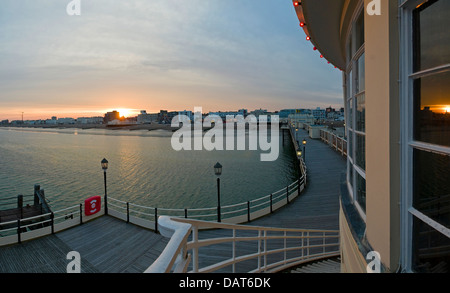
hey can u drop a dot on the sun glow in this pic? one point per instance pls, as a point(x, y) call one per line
point(124, 112)
point(447, 109)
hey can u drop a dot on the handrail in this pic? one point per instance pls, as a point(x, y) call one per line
point(310, 244)
point(234, 213)
point(52, 221)
point(336, 142)
point(178, 234)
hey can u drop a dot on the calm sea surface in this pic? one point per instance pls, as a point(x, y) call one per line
point(143, 168)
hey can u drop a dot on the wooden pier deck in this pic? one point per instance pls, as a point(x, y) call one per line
point(316, 208)
point(106, 245)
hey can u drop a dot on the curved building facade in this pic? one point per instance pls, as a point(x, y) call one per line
point(395, 63)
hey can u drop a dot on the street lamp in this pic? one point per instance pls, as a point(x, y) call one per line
point(304, 149)
point(105, 167)
point(299, 153)
point(218, 172)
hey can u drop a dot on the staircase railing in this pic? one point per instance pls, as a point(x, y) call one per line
point(253, 249)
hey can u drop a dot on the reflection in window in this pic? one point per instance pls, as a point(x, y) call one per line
point(431, 124)
point(432, 109)
point(432, 185)
point(361, 113)
point(350, 144)
point(359, 31)
point(431, 249)
point(360, 151)
point(350, 114)
point(431, 35)
point(361, 191)
point(361, 81)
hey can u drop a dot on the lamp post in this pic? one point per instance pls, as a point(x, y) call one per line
point(218, 172)
point(299, 153)
point(304, 149)
point(105, 167)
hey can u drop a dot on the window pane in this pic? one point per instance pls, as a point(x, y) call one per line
point(431, 249)
point(349, 50)
point(361, 191)
point(350, 114)
point(360, 151)
point(359, 32)
point(361, 81)
point(431, 35)
point(361, 113)
point(432, 185)
point(350, 144)
point(350, 177)
point(432, 109)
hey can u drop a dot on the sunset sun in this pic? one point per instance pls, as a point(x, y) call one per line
point(124, 112)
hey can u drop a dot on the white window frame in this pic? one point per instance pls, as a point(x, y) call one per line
point(407, 77)
point(351, 98)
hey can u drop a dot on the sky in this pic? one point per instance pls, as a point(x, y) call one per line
point(160, 54)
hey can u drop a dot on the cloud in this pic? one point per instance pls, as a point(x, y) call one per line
point(220, 53)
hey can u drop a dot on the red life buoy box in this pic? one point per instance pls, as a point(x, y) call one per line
point(92, 205)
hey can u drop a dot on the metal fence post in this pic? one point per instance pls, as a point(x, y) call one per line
point(248, 211)
point(52, 217)
point(287, 194)
point(271, 210)
point(81, 213)
point(156, 220)
point(19, 240)
point(128, 212)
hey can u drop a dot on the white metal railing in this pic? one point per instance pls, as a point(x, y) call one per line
point(336, 142)
point(29, 228)
point(265, 249)
point(235, 213)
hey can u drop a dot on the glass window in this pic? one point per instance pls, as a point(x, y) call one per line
point(432, 109)
point(431, 136)
point(431, 35)
point(360, 151)
point(432, 185)
point(350, 114)
point(356, 106)
point(350, 144)
point(361, 191)
point(350, 175)
point(361, 81)
point(430, 249)
point(361, 113)
point(359, 31)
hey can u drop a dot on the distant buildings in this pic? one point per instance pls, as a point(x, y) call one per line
point(111, 116)
point(309, 116)
point(147, 118)
point(90, 120)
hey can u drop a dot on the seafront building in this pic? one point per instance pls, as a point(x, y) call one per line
point(395, 63)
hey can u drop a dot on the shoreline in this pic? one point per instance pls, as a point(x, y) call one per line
point(131, 127)
point(148, 127)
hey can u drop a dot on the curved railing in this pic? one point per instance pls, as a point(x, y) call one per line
point(253, 249)
point(334, 141)
point(233, 214)
point(29, 228)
